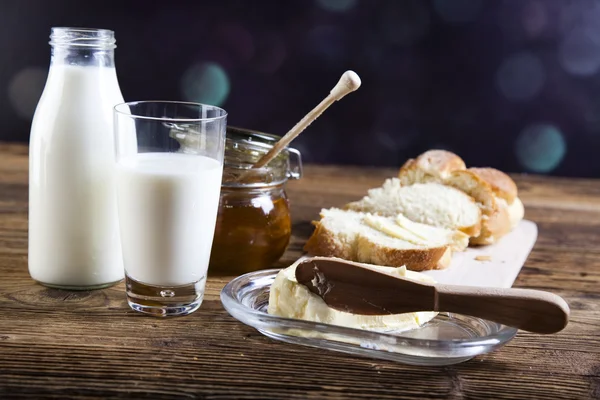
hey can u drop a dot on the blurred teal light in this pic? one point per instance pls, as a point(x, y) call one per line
point(337, 5)
point(540, 148)
point(521, 76)
point(206, 83)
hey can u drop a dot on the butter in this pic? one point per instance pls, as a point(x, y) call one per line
point(417, 233)
point(420, 230)
point(459, 240)
point(425, 232)
point(384, 225)
point(290, 299)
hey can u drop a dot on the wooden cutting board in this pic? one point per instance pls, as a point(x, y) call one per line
point(496, 265)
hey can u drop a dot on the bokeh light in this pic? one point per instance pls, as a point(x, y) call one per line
point(520, 76)
point(457, 11)
point(25, 89)
point(337, 5)
point(579, 14)
point(579, 48)
point(206, 83)
point(569, 16)
point(534, 17)
point(579, 52)
point(540, 147)
point(405, 22)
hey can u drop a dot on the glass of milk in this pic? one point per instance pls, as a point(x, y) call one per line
point(167, 200)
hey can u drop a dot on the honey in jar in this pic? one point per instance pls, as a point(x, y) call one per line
point(253, 224)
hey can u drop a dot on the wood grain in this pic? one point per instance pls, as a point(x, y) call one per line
point(58, 344)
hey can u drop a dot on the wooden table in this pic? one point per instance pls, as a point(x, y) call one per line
point(64, 344)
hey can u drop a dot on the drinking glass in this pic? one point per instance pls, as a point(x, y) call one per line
point(167, 200)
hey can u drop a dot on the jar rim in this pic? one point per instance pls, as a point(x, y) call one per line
point(256, 142)
point(267, 140)
point(82, 37)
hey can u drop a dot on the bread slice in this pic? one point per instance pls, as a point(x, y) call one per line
point(387, 241)
point(471, 184)
point(494, 191)
point(509, 210)
point(428, 203)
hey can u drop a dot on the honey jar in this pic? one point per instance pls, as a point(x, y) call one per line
point(254, 223)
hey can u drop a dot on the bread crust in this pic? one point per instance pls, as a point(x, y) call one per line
point(409, 165)
point(474, 186)
point(410, 174)
point(431, 166)
point(325, 243)
point(439, 162)
point(414, 259)
point(497, 225)
point(502, 184)
point(496, 219)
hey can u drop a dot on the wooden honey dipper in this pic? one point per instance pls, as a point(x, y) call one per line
point(348, 83)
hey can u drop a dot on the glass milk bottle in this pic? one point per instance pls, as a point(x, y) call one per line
point(73, 228)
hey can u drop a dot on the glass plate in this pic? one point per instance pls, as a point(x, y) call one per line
point(447, 339)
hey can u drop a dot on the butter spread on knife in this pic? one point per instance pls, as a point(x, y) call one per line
point(290, 299)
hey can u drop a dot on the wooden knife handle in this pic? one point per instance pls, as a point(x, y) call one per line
point(530, 310)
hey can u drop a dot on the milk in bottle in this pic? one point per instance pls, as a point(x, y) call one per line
point(73, 228)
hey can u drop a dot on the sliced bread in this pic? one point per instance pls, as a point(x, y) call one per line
point(379, 240)
point(494, 218)
point(505, 190)
point(494, 191)
point(508, 210)
point(428, 203)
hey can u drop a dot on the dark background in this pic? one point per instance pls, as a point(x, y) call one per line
point(513, 84)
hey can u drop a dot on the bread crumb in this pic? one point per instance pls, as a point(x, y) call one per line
point(483, 258)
